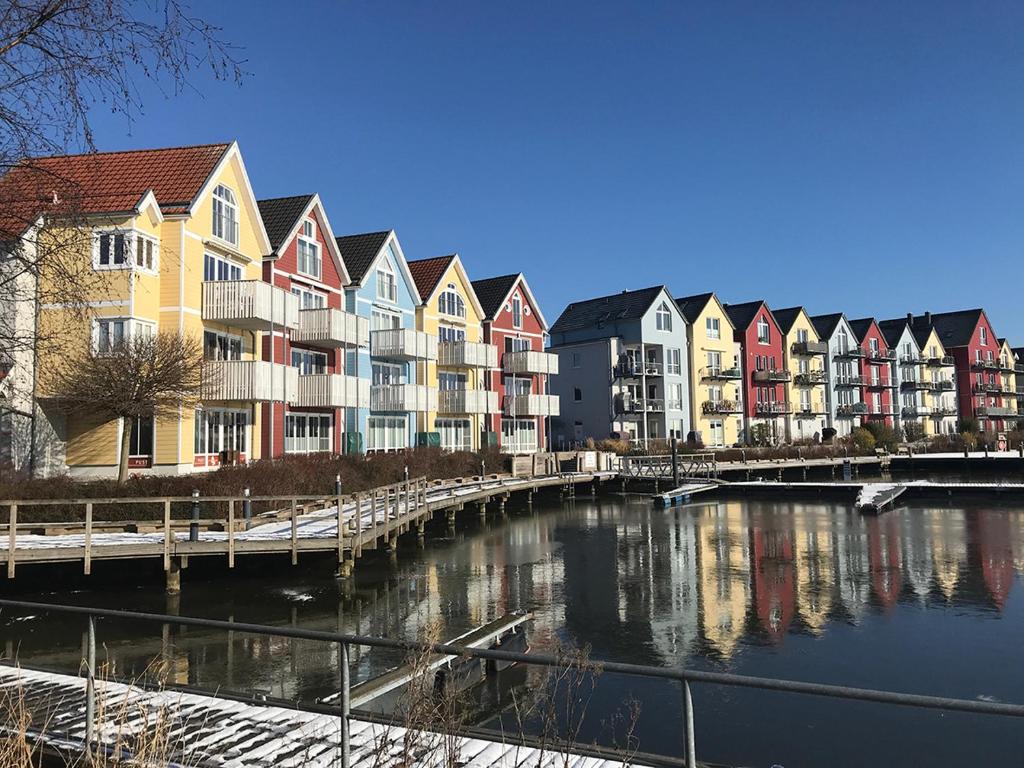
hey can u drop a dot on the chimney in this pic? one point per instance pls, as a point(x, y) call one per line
point(927, 318)
point(910, 318)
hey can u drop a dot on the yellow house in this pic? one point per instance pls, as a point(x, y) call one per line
point(939, 373)
point(451, 311)
point(804, 356)
point(173, 242)
point(716, 409)
point(1008, 384)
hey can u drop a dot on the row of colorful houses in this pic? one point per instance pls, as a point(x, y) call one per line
point(645, 365)
point(312, 342)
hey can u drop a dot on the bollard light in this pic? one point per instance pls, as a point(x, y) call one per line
point(337, 484)
point(193, 528)
point(247, 508)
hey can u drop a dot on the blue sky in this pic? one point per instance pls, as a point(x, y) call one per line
point(862, 157)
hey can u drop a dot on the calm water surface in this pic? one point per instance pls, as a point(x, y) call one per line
point(923, 599)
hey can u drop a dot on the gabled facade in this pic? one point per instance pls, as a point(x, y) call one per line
point(383, 291)
point(1008, 380)
point(1018, 370)
point(306, 263)
point(804, 354)
point(970, 339)
point(876, 369)
point(912, 413)
point(514, 323)
point(450, 313)
point(716, 373)
point(939, 373)
point(764, 373)
point(843, 367)
point(623, 368)
point(173, 240)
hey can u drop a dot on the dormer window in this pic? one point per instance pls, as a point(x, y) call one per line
point(517, 312)
point(983, 334)
point(663, 318)
point(764, 331)
point(225, 215)
point(309, 261)
point(124, 249)
point(873, 344)
point(387, 286)
point(450, 303)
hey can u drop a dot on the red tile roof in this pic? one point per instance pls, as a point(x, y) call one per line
point(105, 182)
point(427, 273)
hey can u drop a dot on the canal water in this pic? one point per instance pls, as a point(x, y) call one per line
point(924, 599)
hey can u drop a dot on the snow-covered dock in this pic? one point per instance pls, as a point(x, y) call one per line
point(201, 731)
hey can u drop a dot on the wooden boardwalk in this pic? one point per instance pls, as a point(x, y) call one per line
point(309, 524)
point(204, 731)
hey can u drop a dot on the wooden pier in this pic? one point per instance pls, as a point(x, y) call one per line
point(301, 524)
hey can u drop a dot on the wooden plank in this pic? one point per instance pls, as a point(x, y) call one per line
point(231, 533)
point(295, 532)
point(11, 541)
point(88, 538)
point(341, 551)
point(167, 534)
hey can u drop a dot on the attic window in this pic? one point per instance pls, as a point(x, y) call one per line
point(225, 215)
point(663, 318)
point(450, 303)
point(308, 259)
point(517, 312)
point(764, 331)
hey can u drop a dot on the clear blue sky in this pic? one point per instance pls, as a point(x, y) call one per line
point(862, 157)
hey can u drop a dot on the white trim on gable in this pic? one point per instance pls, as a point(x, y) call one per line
point(466, 282)
point(248, 195)
point(403, 266)
point(148, 204)
point(328, 235)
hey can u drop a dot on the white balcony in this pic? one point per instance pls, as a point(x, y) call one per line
point(326, 327)
point(403, 344)
point(332, 390)
point(403, 397)
point(251, 304)
point(529, 362)
point(531, 405)
point(249, 380)
point(467, 354)
point(467, 401)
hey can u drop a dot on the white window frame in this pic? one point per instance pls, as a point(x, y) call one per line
point(131, 328)
point(293, 443)
point(663, 318)
point(309, 299)
point(387, 433)
point(307, 248)
point(455, 434)
point(309, 362)
point(229, 339)
point(224, 215)
point(713, 328)
point(131, 241)
point(378, 316)
point(387, 283)
point(517, 311)
point(451, 303)
point(673, 362)
point(231, 269)
point(519, 435)
point(226, 434)
point(983, 336)
point(765, 326)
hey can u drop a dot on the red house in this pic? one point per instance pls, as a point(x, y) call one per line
point(879, 386)
point(515, 325)
point(305, 261)
point(764, 372)
point(970, 338)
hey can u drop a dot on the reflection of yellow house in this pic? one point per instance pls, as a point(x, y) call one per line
point(937, 369)
point(949, 547)
point(176, 243)
point(451, 312)
point(804, 354)
point(812, 552)
point(724, 573)
point(715, 375)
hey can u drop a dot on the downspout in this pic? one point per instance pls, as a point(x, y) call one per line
point(33, 405)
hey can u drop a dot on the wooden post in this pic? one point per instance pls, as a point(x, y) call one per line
point(373, 512)
point(167, 534)
point(88, 538)
point(231, 533)
point(12, 537)
point(340, 530)
point(295, 532)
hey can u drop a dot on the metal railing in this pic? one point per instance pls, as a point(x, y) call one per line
point(684, 677)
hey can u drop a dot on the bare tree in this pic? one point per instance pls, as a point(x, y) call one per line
point(144, 376)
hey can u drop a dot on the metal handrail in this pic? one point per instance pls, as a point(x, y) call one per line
point(683, 676)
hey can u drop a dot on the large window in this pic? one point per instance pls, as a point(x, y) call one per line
point(447, 333)
point(141, 443)
point(713, 328)
point(219, 430)
point(225, 215)
point(518, 386)
point(764, 332)
point(515, 344)
point(714, 360)
point(386, 433)
point(216, 268)
point(110, 334)
point(117, 249)
point(519, 435)
point(308, 251)
point(447, 381)
point(309, 299)
point(456, 434)
point(387, 285)
point(221, 346)
point(384, 321)
point(309, 362)
point(673, 362)
point(388, 373)
point(450, 303)
point(307, 433)
point(517, 312)
point(663, 318)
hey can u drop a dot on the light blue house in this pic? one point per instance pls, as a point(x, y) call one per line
point(383, 291)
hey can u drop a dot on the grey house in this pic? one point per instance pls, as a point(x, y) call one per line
point(845, 389)
point(623, 369)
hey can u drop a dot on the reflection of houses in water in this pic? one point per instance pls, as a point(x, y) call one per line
point(991, 553)
point(772, 553)
point(918, 557)
point(885, 559)
point(724, 574)
point(851, 561)
point(813, 557)
point(947, 533)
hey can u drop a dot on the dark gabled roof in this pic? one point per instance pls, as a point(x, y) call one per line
point(893, 329)
point(491, 291)
point(279, 215)
point(742, 315)
point(427, 273)
point(786, 317)
point(628, 305)
point(861, 326)
point(1019, 352)
point(921, 327)
point(956, 328)
point(825, 325)
point(359, 251)
point(692, 306)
